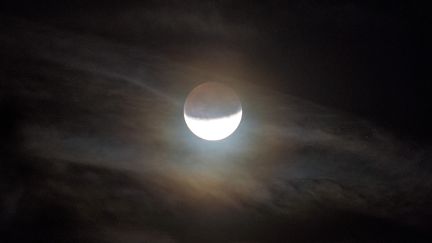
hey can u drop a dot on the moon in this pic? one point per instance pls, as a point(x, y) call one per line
point(212, 111)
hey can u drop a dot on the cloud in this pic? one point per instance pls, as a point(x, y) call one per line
point(103, 137)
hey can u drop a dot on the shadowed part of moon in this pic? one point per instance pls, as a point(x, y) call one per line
point(212, 100)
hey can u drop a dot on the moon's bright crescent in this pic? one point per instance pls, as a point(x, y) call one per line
point(215, 128)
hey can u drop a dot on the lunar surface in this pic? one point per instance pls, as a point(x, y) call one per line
point(212, 111)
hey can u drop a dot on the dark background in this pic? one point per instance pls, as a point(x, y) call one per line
point(334, 145)
point(363, 57)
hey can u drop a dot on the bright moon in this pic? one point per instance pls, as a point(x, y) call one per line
point(212, 111)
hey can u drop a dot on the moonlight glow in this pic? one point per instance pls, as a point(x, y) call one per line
point(212, 111)
point(214, 129)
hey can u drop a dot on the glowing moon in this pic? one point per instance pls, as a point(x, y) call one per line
point(212, 111)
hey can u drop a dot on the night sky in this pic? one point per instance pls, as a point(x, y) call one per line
point(335, 143)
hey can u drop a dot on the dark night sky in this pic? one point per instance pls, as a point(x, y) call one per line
point(334, 146)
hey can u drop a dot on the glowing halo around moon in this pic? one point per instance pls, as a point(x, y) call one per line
point(212, 111)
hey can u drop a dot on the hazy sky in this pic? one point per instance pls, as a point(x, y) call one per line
point(334, 145)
